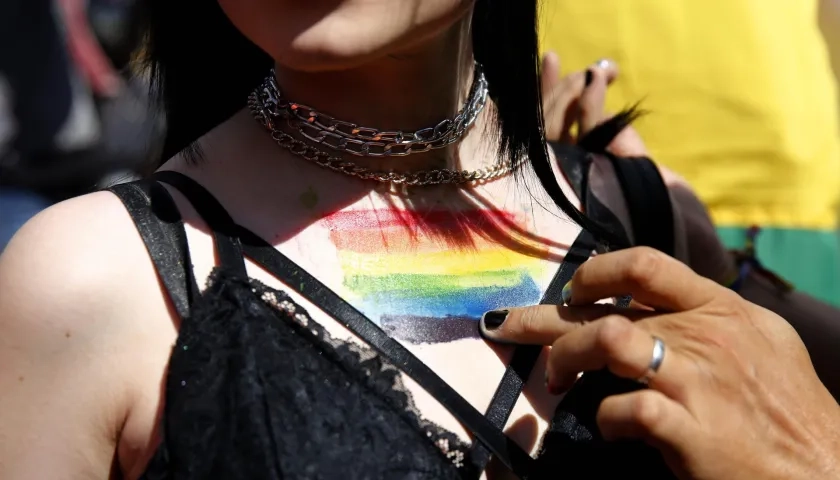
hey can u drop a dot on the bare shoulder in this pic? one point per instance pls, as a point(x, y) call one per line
point(63, 255)
point(70, 283)
point(66, 253)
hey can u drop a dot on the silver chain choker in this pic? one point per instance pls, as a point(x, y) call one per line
point(347, 137)
point(271, 109)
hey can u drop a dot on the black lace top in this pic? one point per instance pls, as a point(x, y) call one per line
point(258, 390)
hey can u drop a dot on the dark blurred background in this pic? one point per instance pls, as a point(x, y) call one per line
point(73, 115)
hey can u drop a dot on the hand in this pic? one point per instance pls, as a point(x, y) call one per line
point(569, 102)
point(735, 396)
point(576, 102)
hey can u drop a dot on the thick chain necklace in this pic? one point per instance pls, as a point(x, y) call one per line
point(269, 107)
point(347, 137)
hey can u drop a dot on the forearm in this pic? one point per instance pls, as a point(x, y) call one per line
point(817, 323)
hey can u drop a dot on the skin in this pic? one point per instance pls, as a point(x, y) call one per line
point(734, 374)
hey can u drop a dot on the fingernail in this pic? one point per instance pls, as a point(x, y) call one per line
point(566, 293)
point(589, 77)
point(604, 63)
point(494, 319)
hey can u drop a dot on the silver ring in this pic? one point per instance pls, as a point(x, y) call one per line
point(655, 361)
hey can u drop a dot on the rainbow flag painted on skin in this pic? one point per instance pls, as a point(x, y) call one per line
point(415, 273)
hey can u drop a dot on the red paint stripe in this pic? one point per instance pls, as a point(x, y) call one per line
point(377, 219)
point(400, 240)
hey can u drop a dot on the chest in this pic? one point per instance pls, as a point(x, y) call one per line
point(426, 276)
point(427, 279)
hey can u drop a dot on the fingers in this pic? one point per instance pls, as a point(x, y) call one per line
point(550, 73)
point(543, 324)
point(560, 99)
point(576, 100)
point(592, 100)
point(613, 342)
point(651, 277)
point(646, 415)
point(560, 108)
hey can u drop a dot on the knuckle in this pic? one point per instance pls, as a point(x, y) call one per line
point(736, 307)
point(643, 267)
point(613, 335)
point(647, 411)
point(730, 311)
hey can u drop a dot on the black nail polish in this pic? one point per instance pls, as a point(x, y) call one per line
point(495, 319)
point(589, 77)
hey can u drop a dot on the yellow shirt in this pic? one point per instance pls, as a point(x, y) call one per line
point(740, 95)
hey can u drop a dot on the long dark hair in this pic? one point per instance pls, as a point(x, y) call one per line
point(202, 70)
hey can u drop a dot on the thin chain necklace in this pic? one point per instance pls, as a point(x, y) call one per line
point(269, 108)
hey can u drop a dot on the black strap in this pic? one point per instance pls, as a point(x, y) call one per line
point(574, 163)
point(645, 193)
point(526, 356)
point(295, 277)
point(648, 201)
point(507, 451)
point(214, 214)
point(160, 226)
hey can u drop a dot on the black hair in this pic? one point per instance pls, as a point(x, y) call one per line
point(202, 70)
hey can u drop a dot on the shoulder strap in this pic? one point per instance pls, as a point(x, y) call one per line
point(214, 214)
point(526, 356)
point(296, 278)
point(645, 192)
point(160, 226)
point(648, 201)
point(574, 163)
point(288, 272)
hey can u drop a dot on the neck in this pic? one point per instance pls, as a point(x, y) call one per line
point(405, 91)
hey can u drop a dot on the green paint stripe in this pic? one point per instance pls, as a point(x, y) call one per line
point(430, 285)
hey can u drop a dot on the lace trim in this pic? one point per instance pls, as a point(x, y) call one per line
point(366, 367)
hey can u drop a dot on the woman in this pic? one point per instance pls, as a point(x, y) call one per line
point(309, 383)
